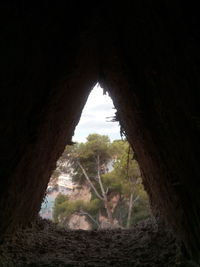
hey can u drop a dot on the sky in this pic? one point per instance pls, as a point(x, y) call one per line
point(95, 117)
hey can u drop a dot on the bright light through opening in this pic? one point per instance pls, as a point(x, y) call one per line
point(96, 117)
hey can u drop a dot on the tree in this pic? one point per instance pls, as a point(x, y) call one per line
point(126, 180)
point(64, 208)
point(89, 162)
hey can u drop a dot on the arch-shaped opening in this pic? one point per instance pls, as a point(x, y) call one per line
point(86, 193)
point(113, 240)
point(58, 121)
point(146, 56)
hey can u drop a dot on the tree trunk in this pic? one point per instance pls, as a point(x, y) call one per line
point(90, 182)
point(109, 213)
point(129, 211)
point(103, 195)
point(105, 199)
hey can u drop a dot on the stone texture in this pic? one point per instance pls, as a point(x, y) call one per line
point(44, 244)
point(77, 222)
point(145, 55)
point(81, 193)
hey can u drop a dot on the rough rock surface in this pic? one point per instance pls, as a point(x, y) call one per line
point(145, 54)
point(81, 193)
point(44, 244)
point(79, 222)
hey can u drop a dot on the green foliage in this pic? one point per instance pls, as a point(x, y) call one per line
point(64, 208)
point(58, 206)
point(124, 179)
point(87, 153)
point(93, 206)
point(118, 147)
point(126, 173)
point(98, 145)
point(141, 210)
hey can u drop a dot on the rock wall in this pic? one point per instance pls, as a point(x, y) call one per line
point(81, 193)
point(76, 220)
point(146, 55)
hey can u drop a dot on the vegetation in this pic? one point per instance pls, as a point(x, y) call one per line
point(117, 194)
point(64, 208)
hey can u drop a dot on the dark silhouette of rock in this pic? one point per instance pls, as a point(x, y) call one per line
point(146, 55)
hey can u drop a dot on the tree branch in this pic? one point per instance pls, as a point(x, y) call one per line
point(99, 178)
point(105, 199)
point(90, 182)
point(136, 199)
point(90, 216)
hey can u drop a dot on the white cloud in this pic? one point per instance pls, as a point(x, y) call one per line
point(95, 117)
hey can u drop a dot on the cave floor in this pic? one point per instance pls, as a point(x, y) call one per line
point(45, 244)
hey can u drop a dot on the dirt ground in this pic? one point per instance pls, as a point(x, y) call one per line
point(45, 244)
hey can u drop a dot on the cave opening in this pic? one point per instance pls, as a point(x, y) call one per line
point(146, 56)
point(85, 194)
point(107, 239)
